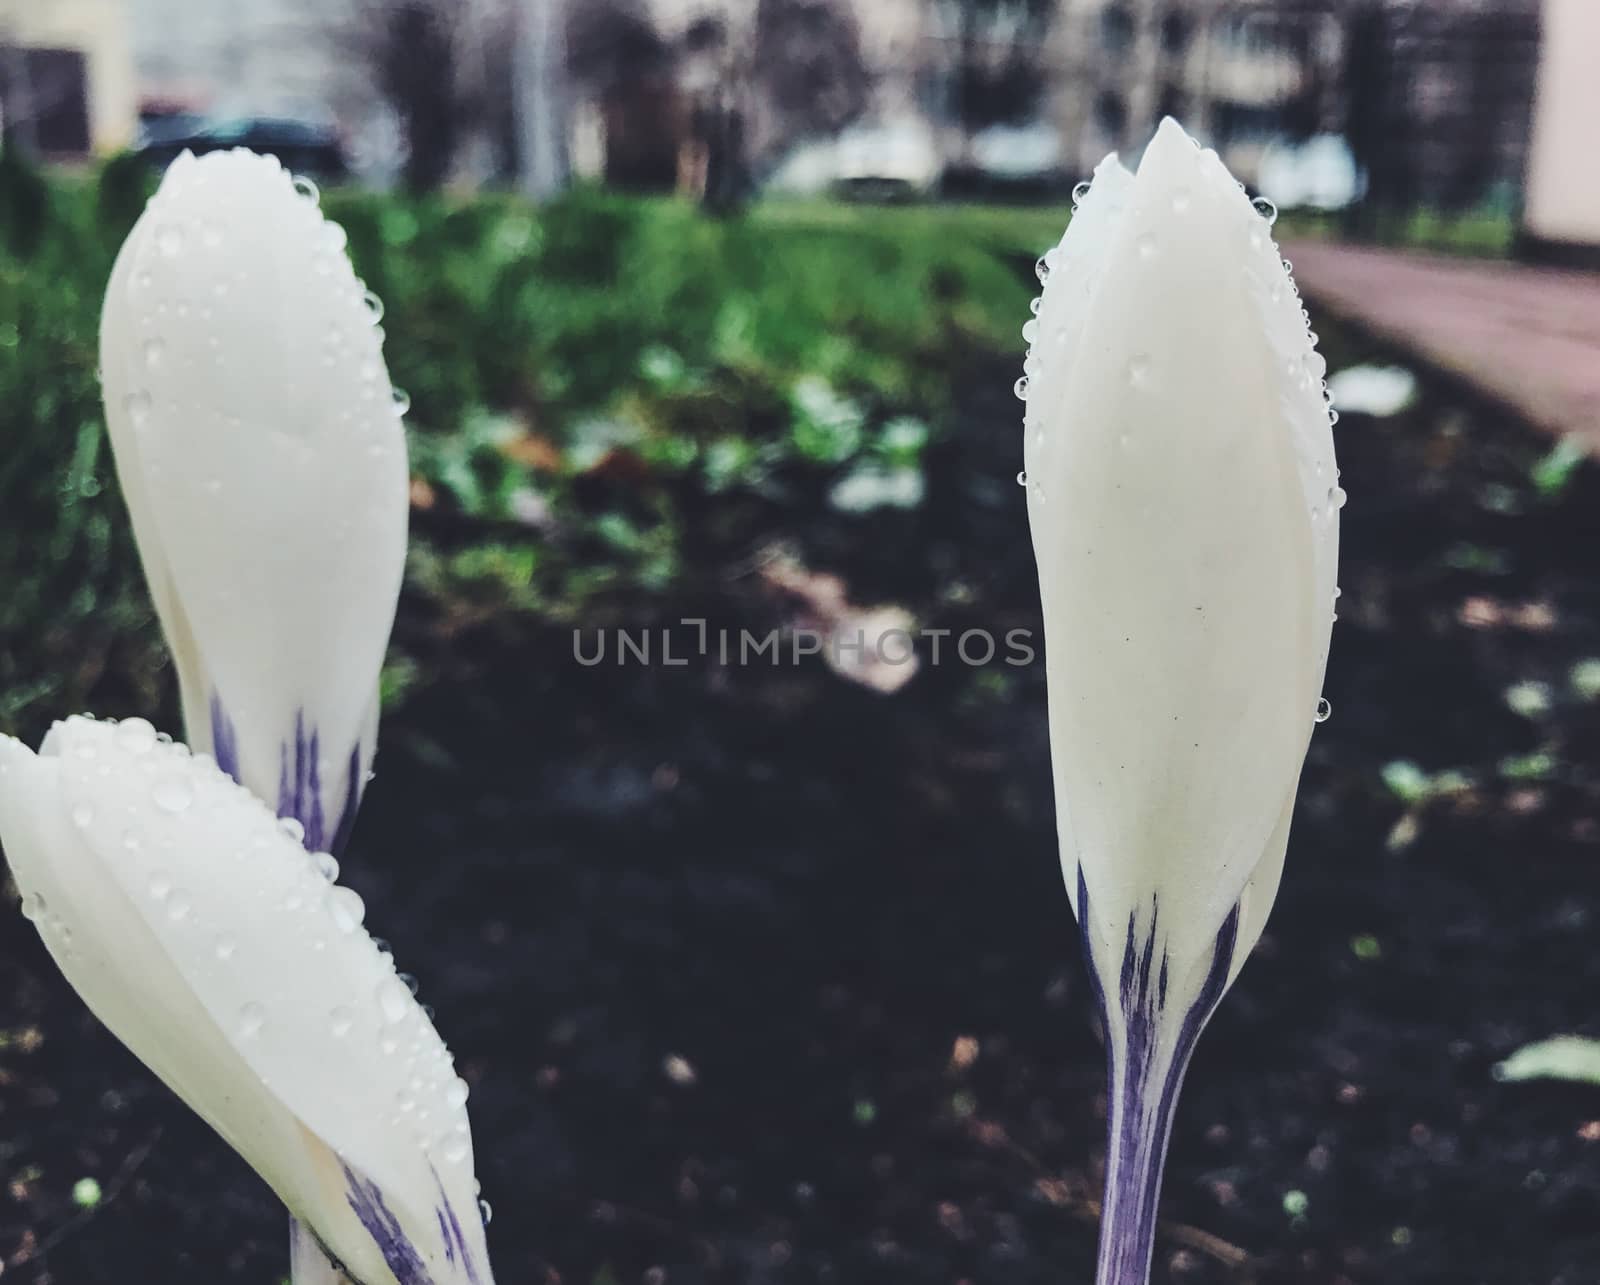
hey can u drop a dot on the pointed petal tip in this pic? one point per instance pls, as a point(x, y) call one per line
point(1171, 148)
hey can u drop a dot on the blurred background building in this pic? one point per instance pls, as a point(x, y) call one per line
point(1414, 104)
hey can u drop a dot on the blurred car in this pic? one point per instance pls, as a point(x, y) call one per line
point(1318, 174)
point(313, 150)
point(887, 160)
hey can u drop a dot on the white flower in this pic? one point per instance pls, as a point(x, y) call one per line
point(206, 938)
point(1185, 512)
point(260, 450)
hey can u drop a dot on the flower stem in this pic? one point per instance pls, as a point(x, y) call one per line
point(1144, 1098)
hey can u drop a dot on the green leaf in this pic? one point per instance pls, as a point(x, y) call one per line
point(1573, 1058)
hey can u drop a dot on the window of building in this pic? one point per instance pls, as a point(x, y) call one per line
point(1111, 113)
point(1116, 28)
point(44, 99)
point(1175, 32)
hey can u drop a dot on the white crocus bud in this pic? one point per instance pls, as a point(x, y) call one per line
point(1185, 505)
point(200, 931)
point(259, 447)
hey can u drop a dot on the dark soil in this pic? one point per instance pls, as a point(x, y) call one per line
point(840, 915)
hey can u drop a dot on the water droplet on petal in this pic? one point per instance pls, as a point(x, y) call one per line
point(1324, 710)
point(394, 1001)
point(252, 1017)
point(1042, 269)
point(172, 795)
point(1020, 388)
point(292, 827)
point(307, 189)
point(169, 240)
point(485, 1212)
point(1080, 192)
point(225, 948)
point(1030, 331)
point(155, 351)
point(1266, 209)
point(33, 907)
point(408, 981)
point(1035, 304)
point(1138, 369)
point(340, 1020)
point(136, 736)
point(402, 401)
point(327, 865)
point(82, 816)
point(346, 909)
point(1147, 246)
point(373, 305)
point(137, 404)
point(457, 1092)
point(1180, 200)
point(178, 905)
point(1022, 478)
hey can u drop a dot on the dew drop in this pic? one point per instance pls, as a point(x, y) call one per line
point(373, 305)
point(485, 1212)
point(1266, 209)
point(136, 736)
point(1080, 192)
point(1338, 498)
point(169, 240)
point(1022, 478)
point(346, 909)
point(225, 948)
point(1324, 710)
point(456, 1093)
point(137, 404)
point(1020, 388)
point(82, 816)
point(402, 401)
point(1147, 246)
point(252, 1017)
point(33, 907)
point(394, 1001)
point(178, 905)
point(1138, 369)
point(1180, 200)
point(292, 827)
point(1030, 332)
point(307, 189)
point(340, 1020)
point(155, 352)
point(408, 981)
point(172, 795)
point(1035, 304)
point(1042, 269)
point(327, 865)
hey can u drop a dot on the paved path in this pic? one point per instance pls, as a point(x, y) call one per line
point(1527, 336)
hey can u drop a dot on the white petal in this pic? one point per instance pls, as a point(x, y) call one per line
point(1178, 482)
point(208, 941)
point(265, 463)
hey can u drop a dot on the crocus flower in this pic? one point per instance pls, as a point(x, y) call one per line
point(1185, 513)
point(202, 933)
point(262, 458)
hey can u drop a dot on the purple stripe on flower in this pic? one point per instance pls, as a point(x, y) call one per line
point(224, 737)
point(1139, 1126)
point(455, 1240)
point(300, 789)
point(399, 1254)
point(352, 800)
